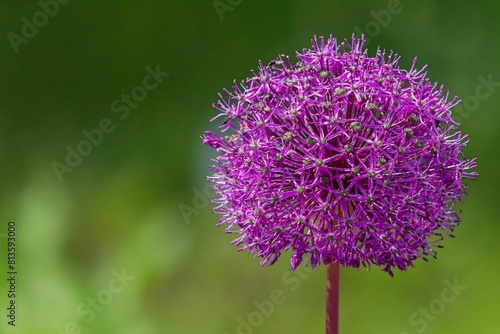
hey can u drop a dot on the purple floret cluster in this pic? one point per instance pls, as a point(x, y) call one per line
point(340, 156)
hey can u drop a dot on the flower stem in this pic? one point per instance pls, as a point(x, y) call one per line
point(332, 298)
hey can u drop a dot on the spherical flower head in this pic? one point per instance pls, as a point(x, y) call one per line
point(340, 156)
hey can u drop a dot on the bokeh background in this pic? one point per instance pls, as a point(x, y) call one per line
point(138, 203)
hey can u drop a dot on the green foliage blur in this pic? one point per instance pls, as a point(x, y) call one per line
point(136, 201)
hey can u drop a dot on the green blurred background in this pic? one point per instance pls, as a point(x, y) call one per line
point(121, 207)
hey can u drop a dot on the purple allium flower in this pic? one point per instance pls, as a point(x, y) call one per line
point(341, 157)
